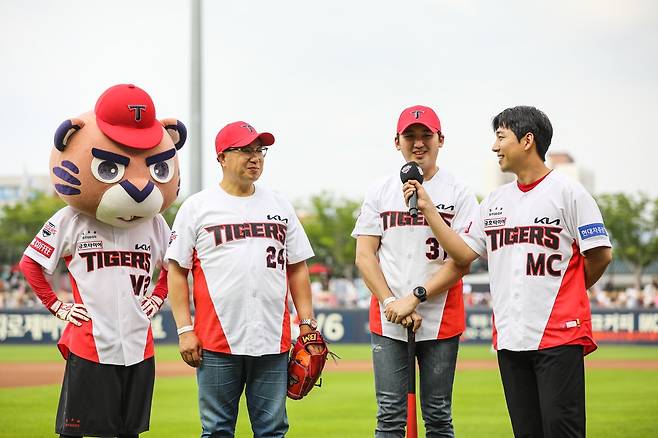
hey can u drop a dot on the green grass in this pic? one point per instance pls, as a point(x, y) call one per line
point(168, 352)
point(619, 402)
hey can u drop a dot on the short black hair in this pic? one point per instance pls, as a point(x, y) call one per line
point(523, 119)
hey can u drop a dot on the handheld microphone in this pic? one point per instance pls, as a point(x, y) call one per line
point(412, 170)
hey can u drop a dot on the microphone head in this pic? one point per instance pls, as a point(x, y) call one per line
point(411, 170)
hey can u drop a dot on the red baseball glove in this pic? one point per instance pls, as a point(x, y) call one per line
point(305, 365)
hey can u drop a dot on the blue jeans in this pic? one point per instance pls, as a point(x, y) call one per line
point(223, 377)
point(436, 361)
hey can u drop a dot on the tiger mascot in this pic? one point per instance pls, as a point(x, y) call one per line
point(117, 169)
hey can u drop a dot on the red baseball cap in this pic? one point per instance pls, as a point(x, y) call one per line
point(126, 114)
point(419, 114)
point(238, 134)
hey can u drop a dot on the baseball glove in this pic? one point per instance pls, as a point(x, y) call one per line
point(305, 366)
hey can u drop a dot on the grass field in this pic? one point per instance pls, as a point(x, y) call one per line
point(620, 403)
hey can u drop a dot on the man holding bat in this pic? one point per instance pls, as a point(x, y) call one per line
point(397, 256)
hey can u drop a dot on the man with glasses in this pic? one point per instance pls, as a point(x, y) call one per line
point(246, 248)
point(398, 257)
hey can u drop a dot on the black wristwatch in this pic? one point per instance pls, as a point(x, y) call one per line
point(421, 293)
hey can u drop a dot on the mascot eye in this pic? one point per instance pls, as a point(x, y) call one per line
point(107, 171)
point(162, 171)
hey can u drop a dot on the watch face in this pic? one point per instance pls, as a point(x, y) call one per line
point(420, 293)
point(309, 322)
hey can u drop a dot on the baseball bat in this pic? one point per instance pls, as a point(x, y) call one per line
point(412, 427)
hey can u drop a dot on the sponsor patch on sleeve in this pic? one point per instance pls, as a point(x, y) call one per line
point(49, 229)
point(592, 230)
point(42, 247)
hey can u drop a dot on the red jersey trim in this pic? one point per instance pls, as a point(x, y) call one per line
point(375, 317)
point(149, 351)
point(206, 322)
point(78, 340)
point(285, 328)
point(570, 322)
point(453, 320)
point(528, 187)
point(494, 334)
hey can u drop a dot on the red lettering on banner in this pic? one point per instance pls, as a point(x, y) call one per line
point(626, 336)
point(42, 247)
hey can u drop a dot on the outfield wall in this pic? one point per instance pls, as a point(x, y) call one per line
point(348, 326)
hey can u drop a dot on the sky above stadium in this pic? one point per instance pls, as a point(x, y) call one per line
point(329, 79)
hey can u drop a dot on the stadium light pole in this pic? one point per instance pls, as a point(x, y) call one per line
point(196, 98)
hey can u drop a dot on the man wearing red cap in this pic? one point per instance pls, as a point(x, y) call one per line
point(398, 257)
point(245, 247)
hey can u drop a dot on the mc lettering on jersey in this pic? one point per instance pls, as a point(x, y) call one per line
point(541, 265)
point(392, 219)
point(107, 259)
point(548, 237)
point(225, 233)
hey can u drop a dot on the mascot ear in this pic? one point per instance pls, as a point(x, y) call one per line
point(176, 130)
point(65, 131)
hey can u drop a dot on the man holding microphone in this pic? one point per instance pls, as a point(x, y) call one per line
point(397, 256)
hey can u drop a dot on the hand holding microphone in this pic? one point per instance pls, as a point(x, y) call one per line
point(409, 174)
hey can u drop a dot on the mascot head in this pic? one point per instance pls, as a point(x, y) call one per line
point(118, 163)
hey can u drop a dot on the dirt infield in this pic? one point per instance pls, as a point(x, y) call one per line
point(34, 374)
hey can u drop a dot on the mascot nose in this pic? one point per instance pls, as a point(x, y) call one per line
point(135, 193)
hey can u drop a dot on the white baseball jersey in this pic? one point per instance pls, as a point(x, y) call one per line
point(110, 271)
point(534, 237)
point(409, 254)
point(238, 249)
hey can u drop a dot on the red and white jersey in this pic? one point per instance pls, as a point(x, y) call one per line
point(238, 249)
point(409, 254)
point(534, 237)
point(110, 271)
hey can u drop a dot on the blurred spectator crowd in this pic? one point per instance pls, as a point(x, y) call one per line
point(331, 292)
point(15, 293)
point(607, 296)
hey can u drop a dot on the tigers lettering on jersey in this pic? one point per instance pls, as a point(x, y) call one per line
point(536, 264)
point(107, 259)
point(224, 233)
point(392, 219)
point(548, 237)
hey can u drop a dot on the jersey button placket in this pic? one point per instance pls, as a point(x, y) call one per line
point(518, 283)
point(252, 326)
point(122, 316)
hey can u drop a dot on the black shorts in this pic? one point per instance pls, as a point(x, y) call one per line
point(105, 400)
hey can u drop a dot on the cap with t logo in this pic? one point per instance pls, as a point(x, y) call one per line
point(238, 134)
point(419, 114)
point(126, 114)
